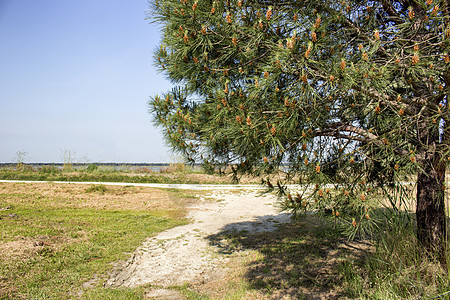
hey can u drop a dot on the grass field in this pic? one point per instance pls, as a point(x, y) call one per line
point(55, 238)
point(174, 173)
point(58, 241)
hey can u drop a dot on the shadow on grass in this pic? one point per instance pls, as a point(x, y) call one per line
point(298, 260)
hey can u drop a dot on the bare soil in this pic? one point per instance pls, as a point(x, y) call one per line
point(185, 254)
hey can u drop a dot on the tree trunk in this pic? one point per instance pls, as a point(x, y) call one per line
point(430, 209)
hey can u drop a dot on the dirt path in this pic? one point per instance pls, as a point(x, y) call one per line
point(184, 254)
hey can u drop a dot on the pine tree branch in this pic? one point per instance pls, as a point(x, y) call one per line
point(385, 99)
point(339, 130)
point(391, 11)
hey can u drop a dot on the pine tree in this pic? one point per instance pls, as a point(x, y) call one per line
point(349, 96)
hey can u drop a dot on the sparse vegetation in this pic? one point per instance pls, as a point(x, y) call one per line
point(68, 156)
point(96, 188)
point(20, 157)
point(55, 238)
point(59, 240)
point(177, 168)
point(92, 168)
point(174, 173)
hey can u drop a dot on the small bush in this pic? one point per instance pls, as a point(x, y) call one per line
point(92, 168)
point(208, 168)
point(50, 169)
point(96, 188)
point(177, 168)
point(24, 168)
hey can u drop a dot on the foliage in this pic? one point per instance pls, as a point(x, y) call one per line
point(52, 169)
point(348, 97)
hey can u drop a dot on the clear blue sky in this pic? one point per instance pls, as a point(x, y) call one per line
point(76, 76)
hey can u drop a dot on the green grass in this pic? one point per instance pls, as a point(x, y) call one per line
point(96, 188)
point(397, 268)
point(115, 294)
point(97, 174)
point(61, 244)
point(63, 247)
point(82, 177)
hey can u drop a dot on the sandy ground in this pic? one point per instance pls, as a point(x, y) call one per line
point(184, 254)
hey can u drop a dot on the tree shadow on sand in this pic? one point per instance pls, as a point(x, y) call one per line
point(299, 260)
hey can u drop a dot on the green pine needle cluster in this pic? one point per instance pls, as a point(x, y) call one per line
point(348, 96)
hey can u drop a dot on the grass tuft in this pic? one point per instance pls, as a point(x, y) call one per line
point(96, 188)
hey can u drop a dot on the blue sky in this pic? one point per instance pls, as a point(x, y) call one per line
point(76, 76)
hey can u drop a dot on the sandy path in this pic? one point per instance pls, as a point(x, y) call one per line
point(184, 254)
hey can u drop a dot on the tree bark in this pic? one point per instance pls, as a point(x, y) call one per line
point(430, 208)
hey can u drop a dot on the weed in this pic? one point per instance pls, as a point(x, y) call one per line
point(92, 168)
point(96, 188)
point(186, 291)
point(20, 157)
point(52, 169)
point(68, 158)
point(397, 269)
point(177, 168)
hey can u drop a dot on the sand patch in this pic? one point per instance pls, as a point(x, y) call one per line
point(184, 254)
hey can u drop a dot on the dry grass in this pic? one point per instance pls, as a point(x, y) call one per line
point(80, 196)
point(76, 231)
point(305, 259)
